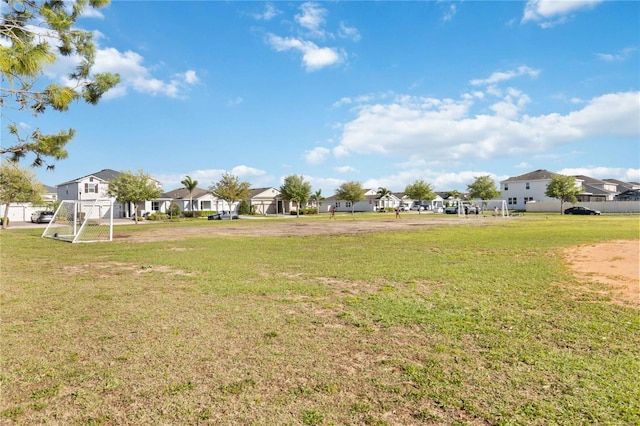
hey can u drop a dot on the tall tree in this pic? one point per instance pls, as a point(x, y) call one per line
point(564, 189)
point(350, 191)
point(230, 189)
point(384, 193)
point(296, 189)
point(32, 34)
point(17, 185)
point(317, 197)
point(190, 185)
point(483, 188)
point(420, 190)
point(134, 188)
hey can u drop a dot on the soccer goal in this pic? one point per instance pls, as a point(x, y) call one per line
point(499, 207)
point(82, 221)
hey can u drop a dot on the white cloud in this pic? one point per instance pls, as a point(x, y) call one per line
point(623, 174)
point(449, 13)
point(500, 76)
point(552, 12)
point(312, 19)
point(350, 33)
point(245, 172)
point(235, 101)
point(445, 128)
point(345, 169)
point(313, 56)
point(208, 177)
point(134, 75)
point(268, 14)
point(619, 56)
point(316, 155)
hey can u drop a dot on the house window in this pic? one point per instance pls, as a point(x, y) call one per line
point(338, 205)
point(90, 188)
point(527, 199)
point(348, 204)
point(155, 206)
point(506, 186)
point(526, 185)
point(512, 200)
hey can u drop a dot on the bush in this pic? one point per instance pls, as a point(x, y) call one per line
point(158, 216)
point(2, 221)
point(174, 209)
point(244, 208)
point(310, 210)
point(192, 213)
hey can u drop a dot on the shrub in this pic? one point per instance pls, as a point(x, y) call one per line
point(244, 208)
point(192, 213)
point(174, 209)
point(310, 210)
point(158, 216)
point(2, 221)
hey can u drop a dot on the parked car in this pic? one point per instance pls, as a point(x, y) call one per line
point(581, 210)
point(451, 210)
point(222, 216)
point(404, 208)
point(41, 216)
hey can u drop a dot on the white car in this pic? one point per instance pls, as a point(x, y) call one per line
point(41, 216)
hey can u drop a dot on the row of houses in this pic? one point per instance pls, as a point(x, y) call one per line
point(516, 191)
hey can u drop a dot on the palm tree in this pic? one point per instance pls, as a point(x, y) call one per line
point(384, 193)
point(190, 185)
point(316, 197)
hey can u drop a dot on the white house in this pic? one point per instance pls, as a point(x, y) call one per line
point(96, 186)
point(596, 189)
point(267, 201)
point(201, 199)
point(520, 190)
point(370, 203)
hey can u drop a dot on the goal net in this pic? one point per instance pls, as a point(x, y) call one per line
point(82, 221)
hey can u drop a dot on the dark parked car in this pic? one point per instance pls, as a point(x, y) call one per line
point(41, 217)
point(581, 210)
point(221, 216)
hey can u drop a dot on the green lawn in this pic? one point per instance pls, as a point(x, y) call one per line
point(444, 325)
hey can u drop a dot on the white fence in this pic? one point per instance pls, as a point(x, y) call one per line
point(612, 207)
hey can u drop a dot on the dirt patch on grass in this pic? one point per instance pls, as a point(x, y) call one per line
point(107, 269)
point(292, 227)
point(616, 264)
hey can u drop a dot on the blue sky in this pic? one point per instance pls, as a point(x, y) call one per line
point(384, 93)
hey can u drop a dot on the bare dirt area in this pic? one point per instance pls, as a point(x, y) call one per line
point(616, 264)
point(292, 227)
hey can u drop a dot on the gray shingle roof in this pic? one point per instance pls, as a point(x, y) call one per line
point(183, 193)
point(535, 175)
point(104, 174)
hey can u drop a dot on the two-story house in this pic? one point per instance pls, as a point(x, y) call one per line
point(520, 190)
point(96, 186)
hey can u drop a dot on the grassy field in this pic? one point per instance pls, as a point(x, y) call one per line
point(445, 325)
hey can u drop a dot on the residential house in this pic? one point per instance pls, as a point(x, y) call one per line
point(520, 190)
point(96, 186)
point(596, 190)
point(629, 195)
point(267, 201)
point(370, 203)
point(622, 186)
point(200, 199)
